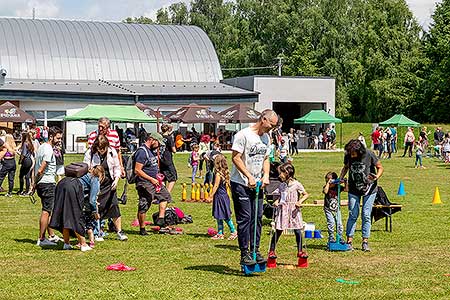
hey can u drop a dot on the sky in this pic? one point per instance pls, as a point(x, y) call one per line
point(117, 10)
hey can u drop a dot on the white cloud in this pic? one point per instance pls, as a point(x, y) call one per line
point(43, 8)
point(423, 10)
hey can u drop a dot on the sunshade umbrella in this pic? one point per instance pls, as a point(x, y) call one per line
point(193, 114)
point(10, 113)
point(240, 113)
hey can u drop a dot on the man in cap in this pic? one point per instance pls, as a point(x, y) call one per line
point(148, 187)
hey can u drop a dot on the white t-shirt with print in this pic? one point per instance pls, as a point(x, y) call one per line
point(254, 149)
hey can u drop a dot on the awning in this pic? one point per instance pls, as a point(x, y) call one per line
point(116, 113)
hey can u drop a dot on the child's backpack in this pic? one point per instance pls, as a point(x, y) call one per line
point(131, 163)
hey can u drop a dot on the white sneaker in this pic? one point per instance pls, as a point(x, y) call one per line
point(67, 247)
point(55, 239)
point(121, 236)
point(99, 239)
point(45, 243)
point(85, 248)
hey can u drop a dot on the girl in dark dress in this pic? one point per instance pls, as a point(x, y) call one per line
point(221, 209)
point(101, 154)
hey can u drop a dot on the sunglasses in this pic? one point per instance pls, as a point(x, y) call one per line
point(272, 126)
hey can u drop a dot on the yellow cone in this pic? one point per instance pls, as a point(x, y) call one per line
point(437, 197)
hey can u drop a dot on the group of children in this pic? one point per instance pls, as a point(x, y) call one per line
point(289, 197)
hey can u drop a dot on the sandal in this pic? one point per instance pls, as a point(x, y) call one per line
point(218, 236)
point(233, 236)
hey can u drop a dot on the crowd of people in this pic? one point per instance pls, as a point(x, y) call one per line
point(82, 206)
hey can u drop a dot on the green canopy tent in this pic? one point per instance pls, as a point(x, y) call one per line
point(116, 113)
point(400, 120)
point(319, 117)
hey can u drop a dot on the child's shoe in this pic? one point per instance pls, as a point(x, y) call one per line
point(272, 255)
point(302, 254)
point(233, 236)
point(218, 236)
point(92, 244)
point(365, 247)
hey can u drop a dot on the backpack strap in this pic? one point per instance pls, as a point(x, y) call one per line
point(146, 154)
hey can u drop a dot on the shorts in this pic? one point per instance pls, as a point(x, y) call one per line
point(60, 170)
point(46, 191)
point(170, 173)
point(148, 195)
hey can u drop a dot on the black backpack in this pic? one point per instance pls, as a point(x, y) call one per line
point(131, 163)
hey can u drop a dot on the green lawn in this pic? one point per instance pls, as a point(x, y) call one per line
point(408, 263)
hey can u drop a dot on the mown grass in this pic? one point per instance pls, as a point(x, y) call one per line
point(408, 263)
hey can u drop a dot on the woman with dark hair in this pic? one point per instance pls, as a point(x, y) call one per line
point(102, 154)
point(26, 162)
point(364, 170)
point(167, 166)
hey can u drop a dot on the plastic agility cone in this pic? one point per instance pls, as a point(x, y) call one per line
point(197, 193)
point(193, 192)
point(401, 189)
point(436, 197)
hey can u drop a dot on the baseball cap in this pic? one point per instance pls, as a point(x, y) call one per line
point(157, 136)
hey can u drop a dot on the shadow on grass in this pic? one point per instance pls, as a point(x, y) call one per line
point(228, 247)
point(26, 241)
point(319, 247)
point(219, 269)
point(199, 235)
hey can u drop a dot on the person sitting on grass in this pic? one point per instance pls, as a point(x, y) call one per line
point(288, 214)
point(221, 209)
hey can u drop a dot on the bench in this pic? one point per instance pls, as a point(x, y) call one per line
point(388, 219)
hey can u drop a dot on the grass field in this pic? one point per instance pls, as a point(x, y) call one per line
point(408, 263)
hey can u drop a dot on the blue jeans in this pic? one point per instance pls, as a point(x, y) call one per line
point(194, 172)
point(332, 217)
point(353, 208)
point(393, 147)
point(418, 160)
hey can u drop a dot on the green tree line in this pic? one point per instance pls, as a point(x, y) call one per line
point(382, 60)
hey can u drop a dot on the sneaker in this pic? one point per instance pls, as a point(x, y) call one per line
point(99, 239)
point(67, 247)
point(272, 255)
point(233, 236)
point(246, 259)
point(92, 244)
point(121, 236)
point(218, 236)
point(9, 195)
point(260, 259)
point(85, 248)
point(45, 243)
point(143, 232)
point(55, 239)
point(365, 247)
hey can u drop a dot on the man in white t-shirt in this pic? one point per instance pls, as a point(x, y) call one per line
point(250, 165)
point(45, 172)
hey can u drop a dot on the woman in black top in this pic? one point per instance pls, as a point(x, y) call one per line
point(27, 152)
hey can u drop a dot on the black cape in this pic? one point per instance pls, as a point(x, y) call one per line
point(68, 207)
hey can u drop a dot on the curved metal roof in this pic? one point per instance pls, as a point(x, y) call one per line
point(83, 50)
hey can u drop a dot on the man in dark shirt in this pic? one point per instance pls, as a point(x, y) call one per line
point(166, 165)
point(148, 186)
